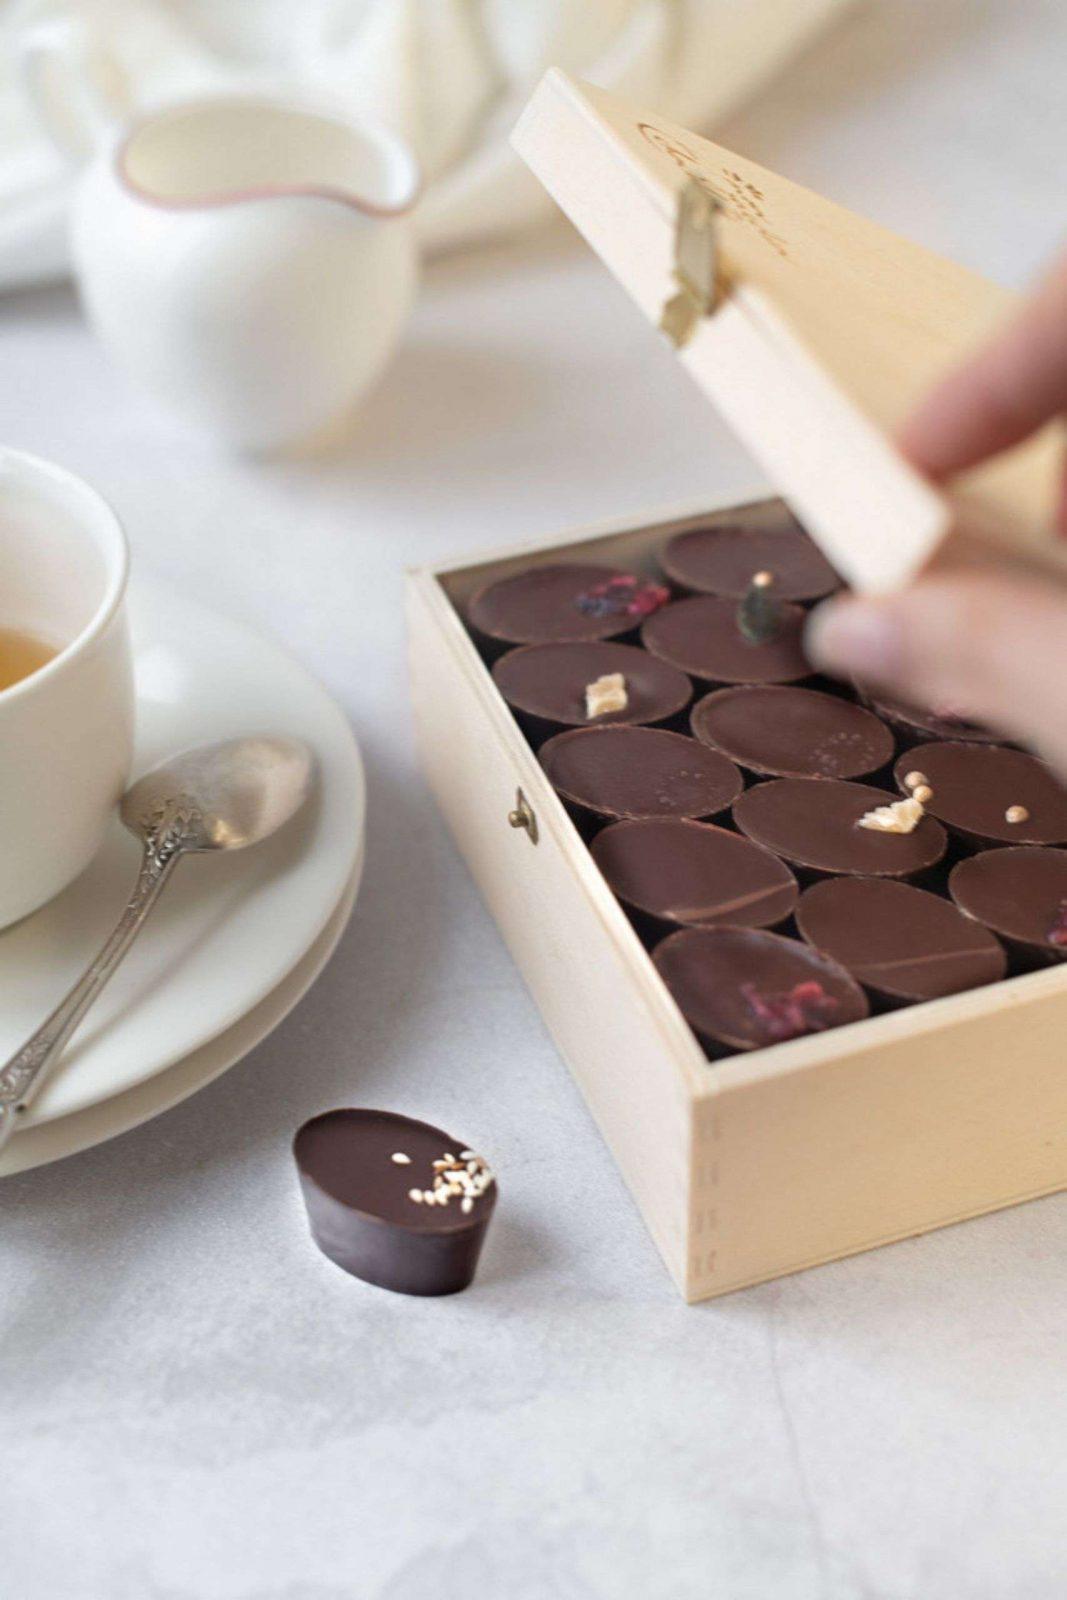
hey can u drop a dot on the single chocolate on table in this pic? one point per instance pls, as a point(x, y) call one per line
point(639, 772)
point(814, 823)
point(785, 732)
point(564, 601)
point(743, 988)
point(901, 943)
point(1021, 893)
point(723, 555)
point(549, 681)
point(394, 1201)
point(988, 794)
point(693, 874)
point(702, 636)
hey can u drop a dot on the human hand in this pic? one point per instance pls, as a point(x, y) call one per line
point(988, 642)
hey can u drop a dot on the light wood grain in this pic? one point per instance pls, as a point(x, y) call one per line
point(832, 329)
point(764, 1163)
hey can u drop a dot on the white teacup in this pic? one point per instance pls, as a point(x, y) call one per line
point(66, 730)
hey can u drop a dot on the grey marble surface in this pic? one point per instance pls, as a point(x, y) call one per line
point(193, 1404)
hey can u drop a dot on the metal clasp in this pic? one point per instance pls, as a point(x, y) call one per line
point(696, 268)
point(523, 816)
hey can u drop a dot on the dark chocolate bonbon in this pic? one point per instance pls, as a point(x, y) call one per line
point(618, 772)
point(561, 601)
point(903, 944)
point(745, 988)
point(780, 731)
point(394, 1201)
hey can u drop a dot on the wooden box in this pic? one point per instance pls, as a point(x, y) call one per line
point(763, 1163)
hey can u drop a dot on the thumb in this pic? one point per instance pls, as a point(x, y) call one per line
point(984, 646)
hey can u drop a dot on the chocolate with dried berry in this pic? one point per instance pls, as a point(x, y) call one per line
point(1020, 893)
point(626, 772)
point(901, 943)
point(670, 873)
point(394, 1201)
point(745, 988)
point(564, 602)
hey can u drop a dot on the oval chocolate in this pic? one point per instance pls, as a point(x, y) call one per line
point(702, 636)
point(549, 681)
point(723, 556)
point(989, 794)
point(915, 726)
point(744, 988)
point(639, 772)
point(815, 824)
point(785, 732)
point(694, 874)
point(562, 601)
point(900, 942)
point(1020, 892)
point(394, 1201)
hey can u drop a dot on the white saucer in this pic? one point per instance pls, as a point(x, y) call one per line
point(229, 929)
point(65, 1136)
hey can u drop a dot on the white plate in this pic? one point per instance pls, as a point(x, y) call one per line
point(228, 928)
point(65, 1136)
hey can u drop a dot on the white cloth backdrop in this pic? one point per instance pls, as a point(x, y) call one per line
point(450, 75)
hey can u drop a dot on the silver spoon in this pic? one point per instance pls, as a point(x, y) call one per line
point(217, 797)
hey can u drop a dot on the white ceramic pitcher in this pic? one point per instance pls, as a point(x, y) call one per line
point(250, 259)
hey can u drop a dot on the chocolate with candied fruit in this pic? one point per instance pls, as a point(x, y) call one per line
point(816, 824)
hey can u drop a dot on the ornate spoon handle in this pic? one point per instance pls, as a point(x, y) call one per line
point(22, 1076)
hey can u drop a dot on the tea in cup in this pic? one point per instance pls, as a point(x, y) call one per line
point(66, 683)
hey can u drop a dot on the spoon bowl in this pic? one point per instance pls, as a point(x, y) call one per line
point(222, 796)
point(217, 797)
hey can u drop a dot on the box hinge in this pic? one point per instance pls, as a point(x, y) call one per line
point(696, 269)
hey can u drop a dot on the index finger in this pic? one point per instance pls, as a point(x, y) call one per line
point(1002, 394)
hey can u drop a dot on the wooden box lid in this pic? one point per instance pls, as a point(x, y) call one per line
point(827, 331)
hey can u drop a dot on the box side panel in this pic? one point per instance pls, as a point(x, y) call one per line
point(889, 1140)
point(585, 977)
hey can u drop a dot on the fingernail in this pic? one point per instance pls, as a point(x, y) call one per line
point(855, 636)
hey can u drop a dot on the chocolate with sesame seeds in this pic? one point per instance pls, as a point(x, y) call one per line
point(416, 1226)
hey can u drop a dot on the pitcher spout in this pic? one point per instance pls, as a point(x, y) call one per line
point(233, 149)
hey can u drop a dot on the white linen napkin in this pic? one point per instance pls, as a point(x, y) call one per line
point(449, 75)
